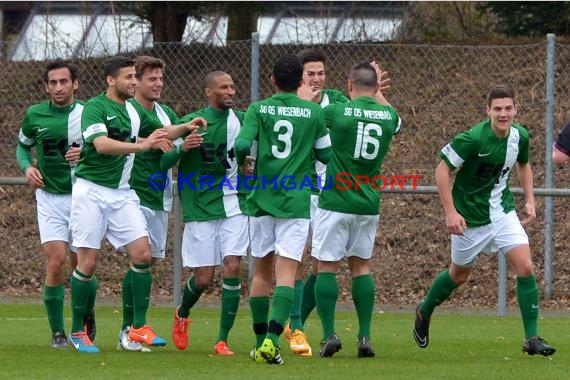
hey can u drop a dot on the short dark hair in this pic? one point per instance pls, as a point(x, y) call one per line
point(311, 55)
point(363, 75)
point(287, 73)
point(500, 92)
point(209, 79)
point(113, 65)
point(146, 62)
point(60, 64)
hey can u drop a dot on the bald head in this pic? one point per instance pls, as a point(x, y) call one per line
point(220, 90)
point(211, 77)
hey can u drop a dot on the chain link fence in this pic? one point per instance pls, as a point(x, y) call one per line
point(438, 90)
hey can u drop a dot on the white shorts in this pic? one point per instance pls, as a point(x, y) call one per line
point(285, 237)
point(157, 228)
point(501, 235)
point(341, 235)
point(53, 217)
point(313, 213)
point(207, 243)
point(98, 211)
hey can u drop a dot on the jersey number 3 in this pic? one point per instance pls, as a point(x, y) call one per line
point(367, 145)
point(284, 137)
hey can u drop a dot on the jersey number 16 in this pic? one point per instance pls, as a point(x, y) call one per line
point(367, 145)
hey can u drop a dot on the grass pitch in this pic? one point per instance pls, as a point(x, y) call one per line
point(462, 347)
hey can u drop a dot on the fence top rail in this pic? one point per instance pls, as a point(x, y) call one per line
point(538, 191)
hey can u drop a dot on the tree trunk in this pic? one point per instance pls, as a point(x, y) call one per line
point(242, 20)
point(168, 21)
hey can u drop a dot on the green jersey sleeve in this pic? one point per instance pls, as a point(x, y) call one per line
point(27, 136)
point(460, 149)
point(93, 122)
point(249, 132)
point(523, 156)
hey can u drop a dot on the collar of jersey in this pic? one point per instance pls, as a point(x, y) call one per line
point(65, 109)
point(366, 99)
point(216, 113)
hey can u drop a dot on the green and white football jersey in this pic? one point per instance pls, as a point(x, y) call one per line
point(159, 196)
point(481, 192)
point(287, 130)
point(208, 175)
point(328, 97)
point(52, 130)
point(361, 132)
point(121, 122)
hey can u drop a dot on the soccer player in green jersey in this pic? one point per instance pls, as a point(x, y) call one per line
point(288, 131)
point(347, 218)
point(313, 89)
point(54, 128)
point(155, 196)
point(215, 227)
point(480, 212)
point(103, 204)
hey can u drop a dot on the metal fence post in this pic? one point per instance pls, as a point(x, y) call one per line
point(254, 67)
point(549, 173)
point(254, 97)
point(176, 246)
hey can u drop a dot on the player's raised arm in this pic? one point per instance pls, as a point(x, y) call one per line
point(175, 131)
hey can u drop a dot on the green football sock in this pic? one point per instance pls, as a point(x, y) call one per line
point(141, 283)
point(440, 290)
point(280, 309)
point(295, 315)
point(326, 291)
point(190, 296)
point(53, 300)
point(529, 304)
point(128, 304)
point(259, 307)
point(80, 289)
point(363, 297)
point(230, 304)
point(90, 306)
point(309, 302)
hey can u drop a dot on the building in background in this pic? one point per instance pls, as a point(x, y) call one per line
point(46, 30)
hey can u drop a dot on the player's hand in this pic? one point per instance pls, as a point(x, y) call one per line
point(196, 123)
point(455, 224)
point(305, 92)
point(157, 136)
point(34, 177)
point(529, 214)
point(383, 77)
point(72, 155)
point(247, 167)
point(193, 140)
point(163, 145)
